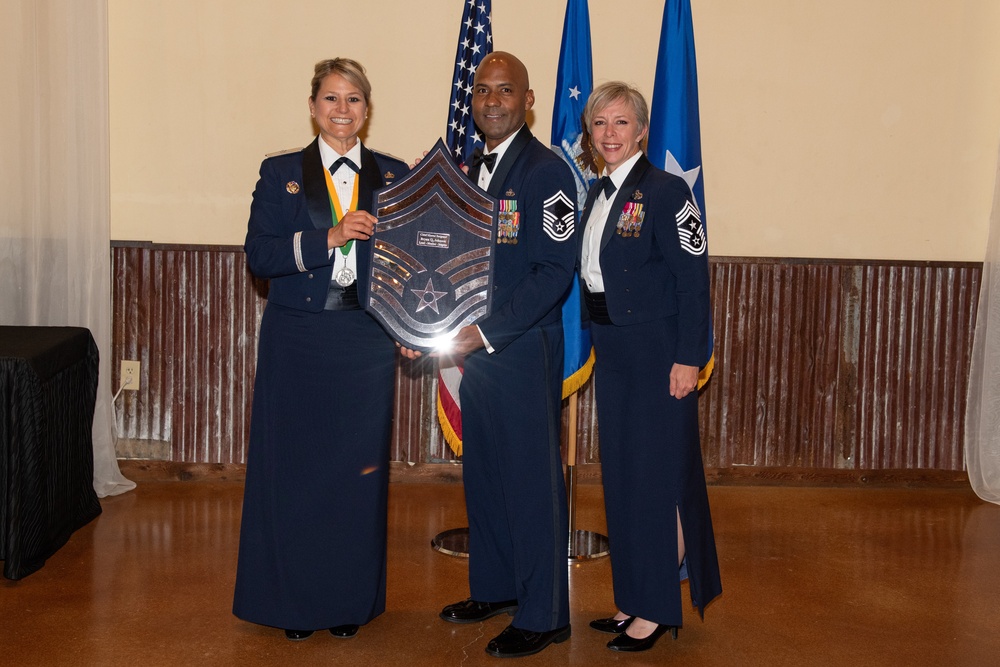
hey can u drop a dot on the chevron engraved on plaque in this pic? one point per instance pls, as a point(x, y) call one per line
point(432, 253)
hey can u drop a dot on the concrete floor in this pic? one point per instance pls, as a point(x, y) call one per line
point(811, 576)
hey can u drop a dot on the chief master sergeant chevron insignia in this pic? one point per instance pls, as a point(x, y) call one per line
point(432, 253)
point(690, 230)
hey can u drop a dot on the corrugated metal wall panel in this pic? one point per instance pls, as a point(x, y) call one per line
point(416, 435)
point(913, 364)
point(190, 316)
point(820, 364)
point(772, 400)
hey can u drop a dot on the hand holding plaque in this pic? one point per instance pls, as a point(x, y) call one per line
point(432, 253)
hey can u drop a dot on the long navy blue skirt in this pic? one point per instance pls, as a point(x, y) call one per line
point(313, 534)
point(652, 468)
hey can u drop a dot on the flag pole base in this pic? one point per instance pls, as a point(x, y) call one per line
point(454, 542)
point(583, 544)
point(587, 545)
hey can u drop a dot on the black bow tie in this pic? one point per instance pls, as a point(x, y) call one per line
point(608, 186)
point(343, 160)
point(487, 159)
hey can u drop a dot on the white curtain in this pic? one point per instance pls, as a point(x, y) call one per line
point(982, 414)
point(55, 255)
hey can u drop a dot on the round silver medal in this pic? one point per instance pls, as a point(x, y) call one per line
point(345, 277)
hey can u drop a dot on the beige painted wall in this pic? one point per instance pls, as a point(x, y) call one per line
point(855, 129)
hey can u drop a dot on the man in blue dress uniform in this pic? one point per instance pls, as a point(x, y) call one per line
point(511, 389)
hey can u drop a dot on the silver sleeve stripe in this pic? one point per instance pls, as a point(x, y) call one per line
point(297, 248)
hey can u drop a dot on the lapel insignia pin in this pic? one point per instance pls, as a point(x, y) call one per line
point(510, 193)
point(637, 195)
point(292, 188)
point(389, 174)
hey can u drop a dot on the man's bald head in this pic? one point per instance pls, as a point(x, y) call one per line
point(517, 68)
point(501, 97)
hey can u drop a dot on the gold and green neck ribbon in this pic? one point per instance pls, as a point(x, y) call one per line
point(335, 209)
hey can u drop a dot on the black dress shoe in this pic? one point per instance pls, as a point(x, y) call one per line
point(344, 631)
point(514, 642)
point(298, 635)
point(632, 645)
point(470, 611)
point(612, 625)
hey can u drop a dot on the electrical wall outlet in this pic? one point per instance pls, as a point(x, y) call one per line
point(130, 375)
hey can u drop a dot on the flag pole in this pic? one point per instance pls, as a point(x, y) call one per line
point(583, 544)
point(574, 82)
point(571, 468)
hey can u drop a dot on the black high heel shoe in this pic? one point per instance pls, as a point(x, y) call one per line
point(344, 631)
point(612, 625)
point(628, 644)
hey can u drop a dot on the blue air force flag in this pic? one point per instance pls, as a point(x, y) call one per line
point(675, 130)
point(574, 82)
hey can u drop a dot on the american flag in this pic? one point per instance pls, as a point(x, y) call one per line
point(475, 40)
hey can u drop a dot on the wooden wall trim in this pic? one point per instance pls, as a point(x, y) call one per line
point(716, 259)
point(826, 365)
point(826, 261)
point(176, 247)
point(587, 473)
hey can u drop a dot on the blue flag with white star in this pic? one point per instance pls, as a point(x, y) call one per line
point(674, 124)
point(574, 82)
point(475, 40)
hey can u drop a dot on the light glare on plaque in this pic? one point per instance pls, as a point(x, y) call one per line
point(442, 344)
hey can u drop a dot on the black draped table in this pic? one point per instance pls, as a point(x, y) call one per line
point(48, 389)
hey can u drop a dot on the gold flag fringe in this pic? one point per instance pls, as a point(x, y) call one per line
point(454, 442)
point(573, 383)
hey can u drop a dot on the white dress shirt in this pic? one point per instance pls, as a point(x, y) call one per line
point(590, 260)
point(485, 178)
point(343, 183)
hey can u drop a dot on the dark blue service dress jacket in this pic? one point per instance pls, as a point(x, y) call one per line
point(286, 237)
point(658, 267)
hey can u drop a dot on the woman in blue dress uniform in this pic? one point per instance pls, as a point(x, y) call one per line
point(313, 535)
point(644, 273)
